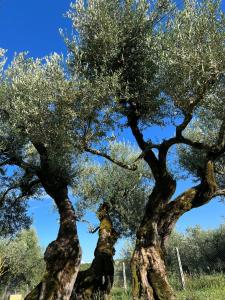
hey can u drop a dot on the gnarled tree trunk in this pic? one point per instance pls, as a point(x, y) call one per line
point(149, 277)
point(63, 255)
point(148, 264)
point(97, 281)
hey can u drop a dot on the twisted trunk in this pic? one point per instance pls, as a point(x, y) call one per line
point(63, 255)
point(148, 264)
point(149, 277)
point(97, 281)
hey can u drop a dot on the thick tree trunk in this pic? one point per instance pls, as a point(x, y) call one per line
point(161, 215)
point(149, 277)
point(97, 281)
point(63, 255)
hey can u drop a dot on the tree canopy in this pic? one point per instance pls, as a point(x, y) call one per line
point(131, 65)
point(125, 191)
point(168, 68)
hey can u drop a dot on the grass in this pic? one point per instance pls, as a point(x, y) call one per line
point(119, 294)
point(201, 287)
point(205, 287)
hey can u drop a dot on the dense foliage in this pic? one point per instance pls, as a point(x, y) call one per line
point(201, 250)
point(41, 104)
point(167, 64)
point(23, 262)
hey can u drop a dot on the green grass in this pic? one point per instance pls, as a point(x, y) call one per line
point(207, 287)
point(202, 287)
point(119, 294)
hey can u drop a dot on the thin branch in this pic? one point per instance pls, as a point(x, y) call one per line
point(146, 148)
point(5, 193)
point(6, 162)
point(157, 16)
point(13, 159)
point(180, 128)
point(219, 193)
point(221, 135)
point(18, 185)
point(188, 115)
point(26, 166)
point(94, 229)
point(194, 144)
point(132, 167)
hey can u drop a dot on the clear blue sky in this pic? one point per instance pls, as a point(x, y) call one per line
point(28, 25)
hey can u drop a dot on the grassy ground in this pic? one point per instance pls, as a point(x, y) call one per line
point(204, 287)
point(208, 287)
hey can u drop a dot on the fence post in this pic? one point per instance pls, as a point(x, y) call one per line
point(180, 269)
point(5, 293)
point(124, 277)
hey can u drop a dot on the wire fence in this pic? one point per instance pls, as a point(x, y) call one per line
point(180, 269)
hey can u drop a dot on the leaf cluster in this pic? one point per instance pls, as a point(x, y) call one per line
point(114, 38)
point(125, 191)
point(207, 246)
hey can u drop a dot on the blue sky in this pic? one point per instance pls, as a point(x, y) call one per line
point(33, 26)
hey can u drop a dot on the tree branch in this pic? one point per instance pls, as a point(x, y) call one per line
point(192, 198)
point(221, 135)
point(14, 159)
point(25, 189)
point(146, 148)
point(132, 167)
point(5, 193)
point(180, 128)
point(219, 193)
point(6, 162)
point(41, 149)
point(188, 115)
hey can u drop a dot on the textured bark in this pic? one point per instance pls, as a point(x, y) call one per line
point(97, 281)
point(63, 255)
point(192, 198)
point(149, 278)
point(148, 265)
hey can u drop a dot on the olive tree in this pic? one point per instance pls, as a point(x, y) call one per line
point(170, 67)
point(23, 261)
point(12, 213)
point(105, 189)
point(44, 115)
point(207, 246)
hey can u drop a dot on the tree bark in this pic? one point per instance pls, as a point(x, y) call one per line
point(148, 264)
point(97, 281)
point(63, 255)
point(149, 277)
